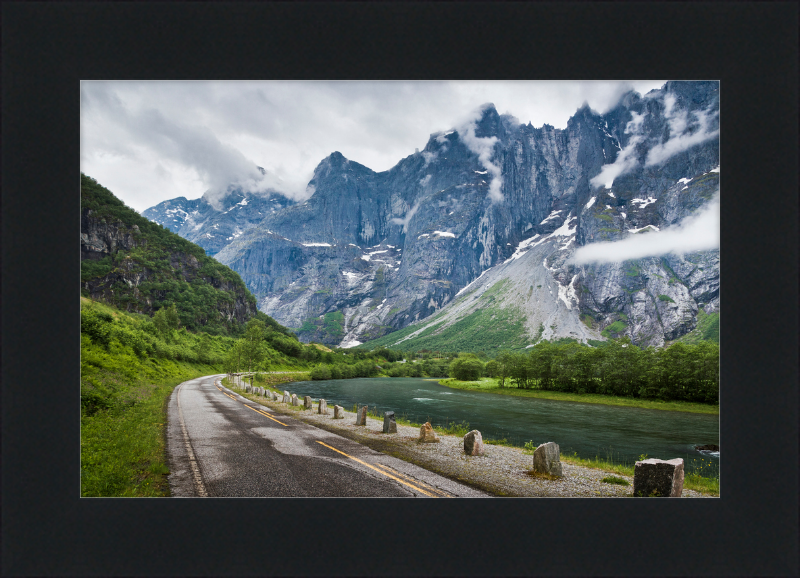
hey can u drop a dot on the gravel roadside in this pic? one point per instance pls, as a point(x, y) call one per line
point(503, 471)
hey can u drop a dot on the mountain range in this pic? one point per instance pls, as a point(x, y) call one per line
point(475, 237)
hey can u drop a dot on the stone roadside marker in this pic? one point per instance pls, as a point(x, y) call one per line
point(389, 425)
point(337, 412)
point(286, 397)
point(361, 416)
point(547, 459)
point(307, 403)
point(661, 478)
point(473, 443)
point(322, 408)
point(427, 435)
point(295, 401)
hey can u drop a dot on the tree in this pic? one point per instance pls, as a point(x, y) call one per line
point(504, 366)
point(540, 361)
point(491, 368)
point(519, 370)
point(166, 319)
point(252, 350)
point(622, 369)
point(466, 368)
point(204, 349)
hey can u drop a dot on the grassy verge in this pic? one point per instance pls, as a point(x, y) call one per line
point(705, 484)
point(123, 449)
point(491, 385)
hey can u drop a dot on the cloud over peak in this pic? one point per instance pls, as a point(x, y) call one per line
point(697, 232)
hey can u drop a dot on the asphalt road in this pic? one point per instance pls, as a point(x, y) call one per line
point(221, 444)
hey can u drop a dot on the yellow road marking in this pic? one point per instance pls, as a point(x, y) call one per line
point(420, 482)
point(379, 471)
point(254, 409)
point(266, 415)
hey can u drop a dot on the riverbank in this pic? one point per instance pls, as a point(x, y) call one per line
point(502, 471)
point(491, 385)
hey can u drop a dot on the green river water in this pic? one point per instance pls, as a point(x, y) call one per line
point(619, 433)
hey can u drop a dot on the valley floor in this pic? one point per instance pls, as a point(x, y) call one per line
point(491, 385)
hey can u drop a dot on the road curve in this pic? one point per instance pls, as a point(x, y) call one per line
point(220, 444)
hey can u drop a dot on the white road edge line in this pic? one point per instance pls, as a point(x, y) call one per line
point(198, 480)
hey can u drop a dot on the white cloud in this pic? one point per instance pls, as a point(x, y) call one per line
point(634, 125)
point(626, 158)
point(625, 161)
point(697, 232)
point(288, 127)
point(484, 148)
point(407, 219)
point(679, 139)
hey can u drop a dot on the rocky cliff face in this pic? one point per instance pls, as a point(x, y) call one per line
point(100, 238)
point(494, 200)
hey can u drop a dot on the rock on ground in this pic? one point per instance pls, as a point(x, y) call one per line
point(547, 459)
point(658, 478)
point(426, 433)
point(473, 443)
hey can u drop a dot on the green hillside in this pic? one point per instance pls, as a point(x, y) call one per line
point(149, 267)
point(491, 328)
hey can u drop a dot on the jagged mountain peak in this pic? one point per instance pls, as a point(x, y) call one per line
point(389, 248)
point(583, 115)
point(337, 163)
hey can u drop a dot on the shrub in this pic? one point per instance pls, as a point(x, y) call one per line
point(616, 480)
point(466, 369)
point(321, 372)
point(286, 345)
point(492, 369)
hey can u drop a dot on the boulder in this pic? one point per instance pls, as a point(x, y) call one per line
point(707, 448)
point(295, 401)
point(389, 425)
point(361, 416)
point(473, 443)
point(658, 478)
point(547, 459)
point(338, 412)
point(322, 408)
point(427, 435)
point(307, 403)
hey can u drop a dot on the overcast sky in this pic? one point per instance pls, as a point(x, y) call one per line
point(152, 141)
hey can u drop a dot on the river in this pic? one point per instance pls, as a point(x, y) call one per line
point(622, 434)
